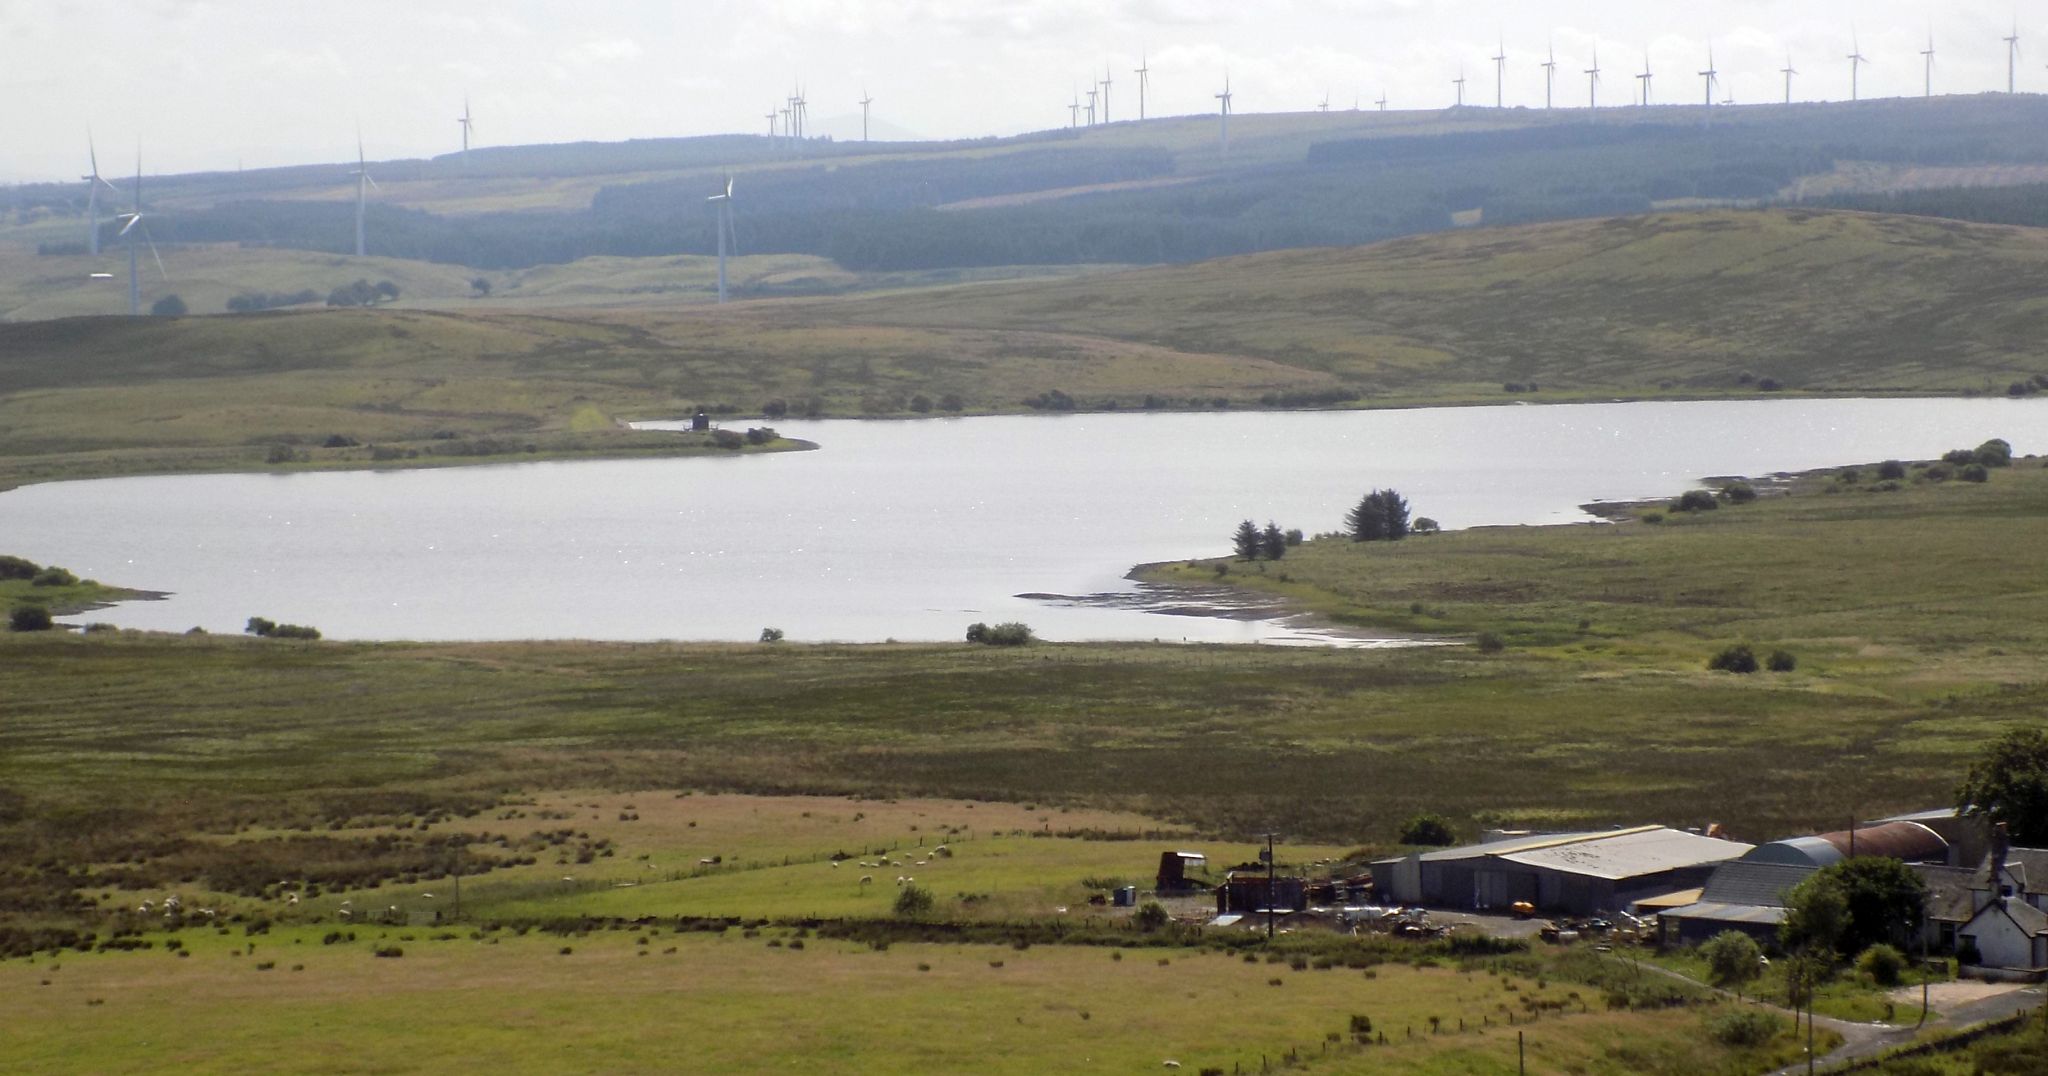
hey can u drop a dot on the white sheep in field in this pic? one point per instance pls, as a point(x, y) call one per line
point(292, 899)
point(900, 879)
point(835, 864)
point(867, 880)
point(346, 914)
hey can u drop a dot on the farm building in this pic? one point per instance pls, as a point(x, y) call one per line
point(1748, 894)
point(1570, 873)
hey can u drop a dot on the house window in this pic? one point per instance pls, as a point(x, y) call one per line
point(1948, 935)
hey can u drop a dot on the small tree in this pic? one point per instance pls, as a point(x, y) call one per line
point(1782, 661)
point(2009, 784)
point(1381, 516)
point(1430, 829)
point(1883, 963)
point(170, 306)
point(771, 635)
point(1247, 541)
point(1736, 659)
point(482, 286)
point(1733, 960)
point(1695, 500)
point(913, 902)
point(1151, 916)
point(1816, 916)
point(1272, 542)
point(1426, 525)
point(1891, 470)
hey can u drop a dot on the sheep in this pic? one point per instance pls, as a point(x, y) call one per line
point(346, 914)
point(900, 879)
point(835, 864)
point(292, 899)
point(867, 880)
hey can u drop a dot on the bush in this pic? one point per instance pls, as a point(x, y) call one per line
point(1891, 470)
point(1996, 452)
point(1975, 472)
point(1151, 917)
point(1849, 474)
point(1736, 659)
point(1652, 517)
point(170, 306)
point(1489, 643)
point(1883, 963)
point(1738, 492)
point(54, 576)
point(771, 635)
point(270, 629)
point(1745, 1028)
point(913, 902)
point(1008, 634)
point(280, 454)
point(17, 568)
point(1782, 661)
point(920, 403)
point(29, 618)
point(1426, 525)
point(1429, 829)
point(729, 439)
point(1695, 500)
point(1959, 456)
point(1733, 958)
point(761, 435)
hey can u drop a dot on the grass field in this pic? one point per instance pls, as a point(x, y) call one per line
point(1675, 305)
point(643, 999)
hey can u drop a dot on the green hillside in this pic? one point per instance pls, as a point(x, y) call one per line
point(1712, 303)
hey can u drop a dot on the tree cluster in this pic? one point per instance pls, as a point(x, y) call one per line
point(363, 293)
point(251, 301)
point(1844, 909)
point(1252, 542)
point(1381, 516)
point(2008, 785)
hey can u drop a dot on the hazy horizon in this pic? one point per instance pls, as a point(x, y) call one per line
point(220, 84)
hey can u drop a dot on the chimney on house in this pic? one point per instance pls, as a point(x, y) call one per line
point(2001, 845)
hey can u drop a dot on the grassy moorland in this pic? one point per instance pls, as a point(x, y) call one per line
point(1670, 305)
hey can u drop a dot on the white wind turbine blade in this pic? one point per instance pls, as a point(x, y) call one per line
point(147, 238)
point(133, 219)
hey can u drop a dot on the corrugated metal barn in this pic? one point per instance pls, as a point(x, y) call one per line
point(1570, 873)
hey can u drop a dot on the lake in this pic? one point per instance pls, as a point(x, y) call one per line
point(904, 530)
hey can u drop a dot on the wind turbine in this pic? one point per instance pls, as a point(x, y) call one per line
point(468, 126)
point(770, 117)
point(1856, 61)
point(1459, 82)
point(722, 210)
point(1106, 81)
point(866, 101)
point(1644, 78)
point(1500, 72)
point(1074, 111)
point(1927, 54)
point(1711, 75)
point(1093, 95)
point(1325, 106)
point(92, 198)
point(363, 185)
point(1381, 104)
point(2012, 59)
point(132, 230)
point(1224, 97)
point(1788, 71)
point(1144, 73)
point(1593, 82)
point(1549, 76)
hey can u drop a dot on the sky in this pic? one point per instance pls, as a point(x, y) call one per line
point(217, 84)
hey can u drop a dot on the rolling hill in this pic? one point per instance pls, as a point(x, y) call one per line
point(1677, 304)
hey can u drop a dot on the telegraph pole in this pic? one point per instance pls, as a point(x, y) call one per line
point(1271, 896)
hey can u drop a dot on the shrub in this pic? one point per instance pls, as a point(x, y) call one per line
point(952, 402)
point(280, 454)
point(388, 952)
point(1695, 500)
point(1781, 661)
point(1769, 384)
point(270, 629)
point(1891, 470)
point(17, 568)
point(1652, 517)
point(1959, 456)
point(1430, 829)
point(1975, 472)
point(170, 306)
point(1426, 525)
point(54, 576)
point(1747, 1028)
point(1151, 917)
point(775, 408)
point(1883, 963)
point(913, 902)
point(1489, 643)
point(1733, 958)
point(1736, 659)
point(771, 635)
point(1849, 474)
point(29, 617)
point(920, 403)
point(729, 439)
point(1996, 452)
point(1008, 634)
point(761, 435)
point(1738, 492)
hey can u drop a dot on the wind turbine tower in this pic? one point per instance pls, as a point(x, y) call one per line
point(1927, 54)
point(771, 117)
point(2012, 59)
point(866, 102)
point(1644, 79)
point(1093, 95)
point(1459, 82)
point(92, 197)
point(363, 185)
point(722, 209)
point(1500, 73)
point(1106, 80)
point(1593, 82)
point(1856, 61)
point(1549, 76)
point(1224, 98)
point(1074, 111)
point(1381, 104)
point(468, 125)
point(1711, 75)
point(1788, 71)
point(1144, 73)
point(131, 231)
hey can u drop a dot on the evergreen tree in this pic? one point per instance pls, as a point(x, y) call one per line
point(1273, 542)
point(1381, 516)
point(1247, 540)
